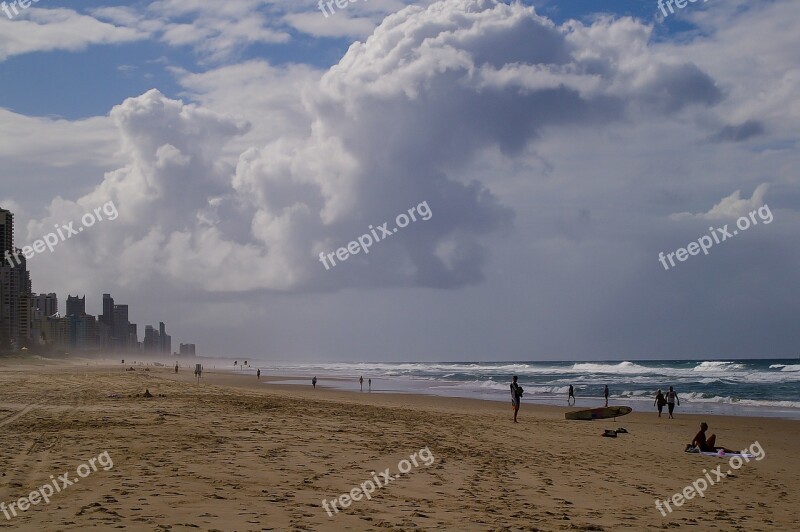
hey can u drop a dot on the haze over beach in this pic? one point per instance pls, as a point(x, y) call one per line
point(205, 205)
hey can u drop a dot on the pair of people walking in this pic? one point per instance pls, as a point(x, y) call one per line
point(669, 399)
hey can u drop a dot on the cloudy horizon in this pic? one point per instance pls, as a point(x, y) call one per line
point(560, 150)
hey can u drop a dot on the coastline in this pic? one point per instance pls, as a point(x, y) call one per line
point(237, 453)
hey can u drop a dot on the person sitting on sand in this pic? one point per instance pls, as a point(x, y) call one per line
point(660, 402)
point(707, 445)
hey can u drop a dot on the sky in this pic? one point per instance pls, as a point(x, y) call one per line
point(550, 152)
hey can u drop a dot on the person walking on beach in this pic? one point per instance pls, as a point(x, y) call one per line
point(314, 382)
point(176, 367)
point(660, 402)
point(369, 382)
point(672, 396)
point(605, 394)
point(361, 382)
point(516, 395)
point(258, 373)
point(571, 395)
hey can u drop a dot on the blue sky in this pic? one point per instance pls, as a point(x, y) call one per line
point(560, 150)
point(91, 81)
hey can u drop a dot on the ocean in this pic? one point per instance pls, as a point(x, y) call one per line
point(753, 387)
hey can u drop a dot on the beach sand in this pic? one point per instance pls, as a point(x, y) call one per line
point(233, 453)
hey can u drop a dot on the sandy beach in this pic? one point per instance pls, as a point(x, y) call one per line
point(234, 453)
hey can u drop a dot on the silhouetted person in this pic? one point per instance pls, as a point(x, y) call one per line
point(314, 382)
point(571, 395)
point(605, 394)
point(672, 396)
point(258, 373)
point(361, 382)
point(516, 396)
point(660, 402)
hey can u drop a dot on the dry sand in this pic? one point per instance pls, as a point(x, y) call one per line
point(236, 454)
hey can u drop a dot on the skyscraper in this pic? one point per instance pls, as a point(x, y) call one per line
point(15, 289)
point(76, 306)
point(120, 330)
point(6, 234)
point(46, 303)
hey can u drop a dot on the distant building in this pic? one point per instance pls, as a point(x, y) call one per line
point(46, 303)
point(15, 289)
point(157, 341)
point(187, 350)
point(76, 306)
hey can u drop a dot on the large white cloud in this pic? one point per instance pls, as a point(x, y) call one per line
point(396, 123)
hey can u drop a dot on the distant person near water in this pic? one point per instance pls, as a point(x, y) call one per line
point(516, 396)
point(258, 373)
point(672, 396)
point(571, 395)
point(369, 382)
point(176, 367)
point(605, 394)
point(314, 382)
point(706, 445)
point(361, 382)
point(660, 402)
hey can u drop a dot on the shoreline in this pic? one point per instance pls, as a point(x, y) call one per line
point(348, 384)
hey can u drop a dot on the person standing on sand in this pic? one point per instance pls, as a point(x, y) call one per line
point(314, 382)
point(361, 382)
point(571, 395)
point(672, 396)
point(369, 382)
point(516, 396)
point(176, 367)
point(605, 394)
point(258, 373)
point(660, 402)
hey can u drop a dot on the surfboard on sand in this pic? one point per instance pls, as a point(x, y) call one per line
point(599, 413)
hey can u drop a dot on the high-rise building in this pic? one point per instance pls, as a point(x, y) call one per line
point(76, 306)
point(6, 235)
point(107, 316)
point(15, 289)
point(46, 303)
point(187, 350)
point(151, 340)
point(120, 328)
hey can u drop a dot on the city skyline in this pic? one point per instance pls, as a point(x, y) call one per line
point(33, 322)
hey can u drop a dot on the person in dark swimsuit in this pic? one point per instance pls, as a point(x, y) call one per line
point(571, 395)
point(660, 402)
point(707, 445)
point(516, 395)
